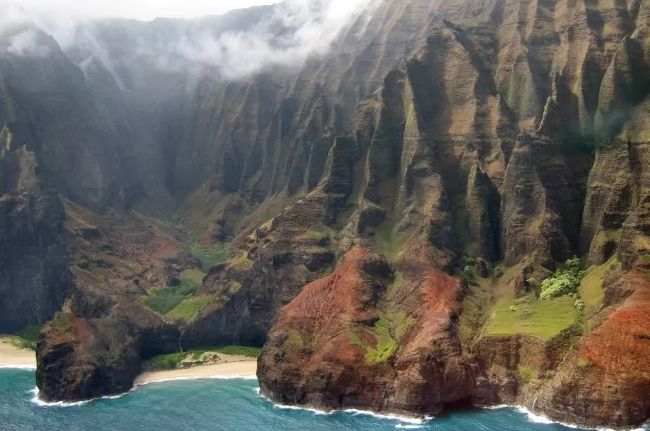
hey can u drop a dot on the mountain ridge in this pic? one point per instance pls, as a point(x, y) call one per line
point(446, 157)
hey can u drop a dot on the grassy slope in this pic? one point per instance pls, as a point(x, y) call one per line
point(178, 302)
point(529, 316)
point(210, 255)
point(591, 288)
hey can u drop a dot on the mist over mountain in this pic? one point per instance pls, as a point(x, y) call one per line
point(284, 34)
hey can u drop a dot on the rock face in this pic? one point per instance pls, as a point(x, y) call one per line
point(34, 274)
point(85, 358)
point(381, 202)
point(359, 338)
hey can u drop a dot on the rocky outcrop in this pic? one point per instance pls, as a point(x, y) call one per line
point(82, 358)
point(607, 379)
point(96, 344)
point(366, 337)
point(34, 274)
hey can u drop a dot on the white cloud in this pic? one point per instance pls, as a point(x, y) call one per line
point(308, 27)
point(27, 42)
point(315, 24)
point(136, 9)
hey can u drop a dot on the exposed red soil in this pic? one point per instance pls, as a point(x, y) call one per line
point(317, 349)
point(622, 342)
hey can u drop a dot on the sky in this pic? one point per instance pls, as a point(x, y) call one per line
point(137, 9)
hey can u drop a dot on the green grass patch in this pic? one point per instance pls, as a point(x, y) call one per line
point(529, 316)
point(168, 361)
point(316, 235)
point(26, 338)
point(387, 331)
point(210, 255)
point(591, 287)
point(189, 308)
point(165, 300)
point(386, 345)
point(195, 276)
point(171, 361)
point(526, 374)
point(387, 241)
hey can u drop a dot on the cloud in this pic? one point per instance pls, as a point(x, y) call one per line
point(293, 31)
point(27, 42)
point(138, 9)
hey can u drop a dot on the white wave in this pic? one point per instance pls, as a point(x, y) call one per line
point(389, 416)
point(497, 407)
point(39, 402)
point(36, 400)
point(542, 419)
point(28, 367)
point(415, 422)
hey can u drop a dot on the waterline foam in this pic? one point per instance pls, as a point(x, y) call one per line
point(406, 422)
point(543, 419)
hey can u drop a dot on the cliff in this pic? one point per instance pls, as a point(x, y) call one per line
point(384, 218)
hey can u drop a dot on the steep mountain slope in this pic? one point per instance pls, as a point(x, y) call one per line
point(483, 147)
point(393, 209)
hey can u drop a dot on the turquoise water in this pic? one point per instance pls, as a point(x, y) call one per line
point(215, 405)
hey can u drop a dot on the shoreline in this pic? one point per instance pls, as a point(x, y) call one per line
point(234, 369)
point(12, 356)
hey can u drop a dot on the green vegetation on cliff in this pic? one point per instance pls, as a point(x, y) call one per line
point(177, 301)
point(388, 241)
point(210, 255)
point(591, 288)
point(564, 281)
point(27, 337)
point(189, 308)
point(529, 316)
point(165, 300)
point(388, 332)
point(386, 345)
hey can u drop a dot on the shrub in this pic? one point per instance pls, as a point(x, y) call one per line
point(27, 338)
point(564, 281)
point(171, 361)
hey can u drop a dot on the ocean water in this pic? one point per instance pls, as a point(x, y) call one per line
point(218, 405)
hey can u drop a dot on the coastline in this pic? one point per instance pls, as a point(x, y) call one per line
point(235, 367)
point(230, 369)
point(12, 356)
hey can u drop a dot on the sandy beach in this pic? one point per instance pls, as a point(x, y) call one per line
point(12, 356)
point(238, 369)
